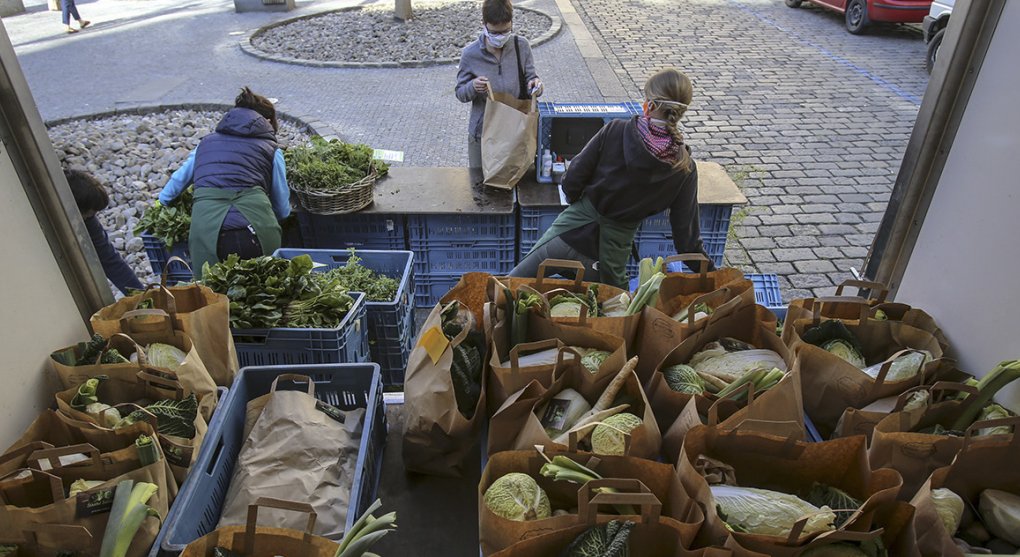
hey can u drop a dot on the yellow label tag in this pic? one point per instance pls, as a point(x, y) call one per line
point(434, 342)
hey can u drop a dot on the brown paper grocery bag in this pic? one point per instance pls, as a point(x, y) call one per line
point(52, 540)
point(252, 540)
point(833, 384)
point(301, 449)
point(123, 388)
point(472, 290)
point(642, 480)
point(982, 463)
point(658, 538)
point(515, 425)
point(786, 465)
point(544, 334)
point(196, 311)
point(897, 441)
point(29, 497)
point(690, 286)
point(509, 139)
point(437, 437)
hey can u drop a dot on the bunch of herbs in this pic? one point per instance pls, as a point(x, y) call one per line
point(323, 165)
point(170, 223)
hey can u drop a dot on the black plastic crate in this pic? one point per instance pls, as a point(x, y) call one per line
point(159, 254)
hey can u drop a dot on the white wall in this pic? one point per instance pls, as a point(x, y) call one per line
point(37, 313)
point(965, 268)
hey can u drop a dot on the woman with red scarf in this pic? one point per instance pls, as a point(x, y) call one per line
point(631, 170)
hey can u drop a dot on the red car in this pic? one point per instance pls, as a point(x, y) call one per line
point(860, 13)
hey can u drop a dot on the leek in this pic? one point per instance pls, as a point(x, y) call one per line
point(366, 532)
point(126, 517)
point(1003, 374)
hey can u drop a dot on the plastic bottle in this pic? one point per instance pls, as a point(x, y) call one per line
point(547, 162)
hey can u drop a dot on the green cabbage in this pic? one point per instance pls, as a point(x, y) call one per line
point(165, 356)
point(846, 351)
point(903, 367)
point(731, 366)
point(771, 513)
point(566, 309)
point(992, 412)
point(517, 497)
point(608, 438)
point(949, 507)
point(593, 359)
point(683, 379)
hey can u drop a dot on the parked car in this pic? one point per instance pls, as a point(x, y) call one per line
point(861, 13)
point(935, 28)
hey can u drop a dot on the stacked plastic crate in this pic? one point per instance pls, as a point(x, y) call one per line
point(655, 237)
point(159, 254)
point(355, 230)
point(446, 246)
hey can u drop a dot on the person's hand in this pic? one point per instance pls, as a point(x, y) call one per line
point(535, 87)
point(481, 84)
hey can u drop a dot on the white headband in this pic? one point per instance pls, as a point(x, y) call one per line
point(665, 102)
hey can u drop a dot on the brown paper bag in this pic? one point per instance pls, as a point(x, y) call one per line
point(196, 311)
point(515, 426)
point(648, 485)
point(472, 290)
point(252, 540)
point(789, 466)
point(509, 139)
point(125, 388)
point(298, 448)
point(782, 403)
point(545, 334)
point(30, 497)
point(898, 444)
point(834, 384)
point(52, 540)
point(982, 463)
point(687, 287)
point(437, 437)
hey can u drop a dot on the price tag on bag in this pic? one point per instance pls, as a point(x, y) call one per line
point(434, 342)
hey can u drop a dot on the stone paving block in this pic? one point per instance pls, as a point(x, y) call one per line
point(810, 280)
point(792, 254)
point(814, 266)
point(798, 242)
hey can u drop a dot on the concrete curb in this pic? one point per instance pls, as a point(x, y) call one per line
point(250, 49)
point(311, 124)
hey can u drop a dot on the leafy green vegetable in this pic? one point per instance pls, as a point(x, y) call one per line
point(833, 329)
point(839, 501)
point(466, 369)
point(79, 486)
point(846, 351)
point(329, 165)
point(165, 356)
point(646, 294)
point(592, 360)
point(1003, 374)
point(174, 417)
point(608, 437)
point(126, 517)
point(170, 223)
point(608, 540)
point(772, 513)
point(366, 532)
point(683, 379)
point(87, 393)
point(517, 497)
point(87, 353)
point(356, 277)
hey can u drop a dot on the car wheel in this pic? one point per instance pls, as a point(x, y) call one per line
point(933, 49)
point(857, 16)
point(793, 3)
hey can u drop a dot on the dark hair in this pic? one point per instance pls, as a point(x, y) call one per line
point(497, 11)
point(89, 194)
point(258, 103)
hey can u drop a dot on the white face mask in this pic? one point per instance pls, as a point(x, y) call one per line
point(496, 41)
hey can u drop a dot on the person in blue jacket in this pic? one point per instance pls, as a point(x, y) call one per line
point(91, 197)
point(240, 181)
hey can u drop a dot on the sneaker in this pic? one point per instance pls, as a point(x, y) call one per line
point(71, 29)
point(84, 23)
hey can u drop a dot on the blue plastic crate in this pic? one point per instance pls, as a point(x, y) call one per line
point(534, 222)
point(767, 293)
point(431, 288)
point(488, 256)
point(658, 244)
point(713, 218)
point(386, 320)
point(392, 355)
point(158, 255)
point(347, 343)
point(196, 511)
point(354, 230)
point(549, 113)
point(440, 229)
point(812, 432)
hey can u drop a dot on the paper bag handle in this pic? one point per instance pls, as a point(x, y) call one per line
point(25, 451)
point(162, 382)
point(166, 268)
point(816, 308)
point(887, 365)
point(713, 297)
point(270, 503)
point(1013, 421)
point(150, 292)
point(700, 258)
point(883, 290)
point(575, 266)
point(713, 410)
point(125, 319)
point(56, 486)
point(631, 492)
point(53, 455)
point(297, 378)
point(139, 351)
point(515, 360)
point(62, 531)
point(785, 446)
point(837, 535)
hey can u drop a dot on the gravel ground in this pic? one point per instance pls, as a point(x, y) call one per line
point(438, 31)
point(134, 156)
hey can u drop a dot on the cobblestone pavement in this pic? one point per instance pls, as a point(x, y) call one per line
point(179, 51)
point(815, 119)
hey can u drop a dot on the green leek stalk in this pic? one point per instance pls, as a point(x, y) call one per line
point(87, 394)
point(366, 532)
point(147, 451)
point(1003, 374)
point(564, 469)
point(126, 517)
point(645, 294)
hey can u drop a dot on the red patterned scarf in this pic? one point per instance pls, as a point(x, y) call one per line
point(658, 140)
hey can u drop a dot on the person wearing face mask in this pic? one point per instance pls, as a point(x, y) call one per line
point(498, 59)
point(632, 169)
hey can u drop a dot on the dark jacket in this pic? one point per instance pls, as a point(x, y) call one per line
point(239, 154)
point(114, 266)
point(627, 183)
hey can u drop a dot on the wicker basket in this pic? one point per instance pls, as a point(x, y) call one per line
point(346, 199)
